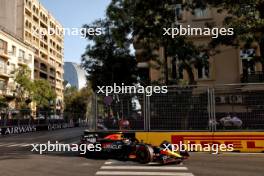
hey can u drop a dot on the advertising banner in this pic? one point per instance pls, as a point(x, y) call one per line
point(240, 141)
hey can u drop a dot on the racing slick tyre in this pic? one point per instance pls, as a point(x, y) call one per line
point(145, 154)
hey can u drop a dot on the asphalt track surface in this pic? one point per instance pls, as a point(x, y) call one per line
point(16, 159)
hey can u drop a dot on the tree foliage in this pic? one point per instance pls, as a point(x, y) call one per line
point(245, 16)
point(77, 102)
point(3, 103)
point(44, 95)
point(105, 61)
point(28, 90)
point(128, 23)
point(143, 23)
point(24, 87)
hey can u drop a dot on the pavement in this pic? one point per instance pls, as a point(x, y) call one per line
point(17, 159)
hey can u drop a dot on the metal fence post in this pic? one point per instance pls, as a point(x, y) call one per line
point(213, 111)
point(96, 112)
point(209, 109)
point(146, 102)
point(148, 114)
point(145, 112)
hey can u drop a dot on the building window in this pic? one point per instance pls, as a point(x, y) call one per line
point(13, 50)
point(3, 46)
point(201, 13)
point(12, 68)
point(29, 4)
point(30, 58)
point(203, 72)
point(2, 65)
point(21, 54)
point(178, 11)
point(43, 67)
point(248, 64)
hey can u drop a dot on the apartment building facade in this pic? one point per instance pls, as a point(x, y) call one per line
point(13, 54)
point(26, 18)
point(230, 66)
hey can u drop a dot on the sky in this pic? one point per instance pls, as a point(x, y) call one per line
point(74, 14)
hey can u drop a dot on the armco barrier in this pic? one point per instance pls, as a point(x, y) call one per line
point(242, 141)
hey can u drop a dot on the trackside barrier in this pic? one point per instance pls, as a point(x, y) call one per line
point(238, 107)
point(241, 141)
point(220, 114)
point(18, 129)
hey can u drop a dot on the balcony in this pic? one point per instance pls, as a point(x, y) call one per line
point(23, 61)
point(3, 71)
point(253, 77)
point(3, 53)
point(52, 74)
point(28, 9)
point(52, 81)
point(43, 68)
point(8, 90)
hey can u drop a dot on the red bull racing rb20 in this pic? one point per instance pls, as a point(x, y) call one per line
point(124, 146)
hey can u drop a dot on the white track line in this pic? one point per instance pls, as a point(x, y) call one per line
point(108, 162)
point(143, 173)
point(14, 145)
point(17, 145)
point(6, 144)
point(142, 168)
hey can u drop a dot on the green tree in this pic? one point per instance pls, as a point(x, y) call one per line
point(245, 16)
point(28, 90)
point(77, 102)
point(3, 103)
point(44, 95)
point(3, 107)
point(143, 23)
point(24, 87)
point(107, 62)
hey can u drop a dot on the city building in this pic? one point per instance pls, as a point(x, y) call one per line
point(230, 66)
point(74, 75)
point(13, 54)
point(26, 18)
point(228, 71)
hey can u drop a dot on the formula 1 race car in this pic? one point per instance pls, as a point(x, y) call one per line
point(126, 147)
